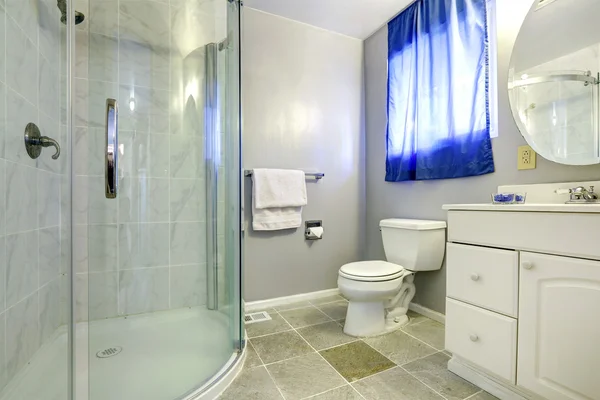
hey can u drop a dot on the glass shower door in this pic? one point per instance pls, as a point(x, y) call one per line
point(157, 290)
point(35, 202)
point(558, 113)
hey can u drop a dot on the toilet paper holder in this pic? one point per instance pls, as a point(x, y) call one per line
point(312, 224)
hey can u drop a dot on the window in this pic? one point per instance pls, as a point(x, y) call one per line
point(440, 70)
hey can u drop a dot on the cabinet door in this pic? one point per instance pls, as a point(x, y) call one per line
point(559, 327)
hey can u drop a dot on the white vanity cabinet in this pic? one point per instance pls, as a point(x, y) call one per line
point(523, 301)
point(559, 327)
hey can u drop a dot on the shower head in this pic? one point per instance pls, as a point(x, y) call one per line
point(62, 6)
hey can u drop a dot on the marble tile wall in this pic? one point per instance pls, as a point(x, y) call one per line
point(33, 238)
point(145, 251)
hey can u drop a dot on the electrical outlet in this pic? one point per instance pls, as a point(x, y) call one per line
point(526, 158)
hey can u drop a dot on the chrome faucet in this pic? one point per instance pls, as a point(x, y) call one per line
point(580, 195)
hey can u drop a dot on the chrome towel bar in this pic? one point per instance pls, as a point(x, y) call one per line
point(315, 175)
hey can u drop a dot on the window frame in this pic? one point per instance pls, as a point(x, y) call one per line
point(492, 27)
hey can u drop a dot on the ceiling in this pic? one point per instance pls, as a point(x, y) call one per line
point(355, 18)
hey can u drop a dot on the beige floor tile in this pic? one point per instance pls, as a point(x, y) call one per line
point(415, 318)
point(483, 396)
point(433, 371)
point(356, 360)
point(307, 374)
point(399, 347)
point(341, 393)
point(252, 384)
point(275, 325)
point(328, 299)
point(304, 376)
point(431, 332)
point(252, 359)
point(335, 310)
point(395, 384)
point(280, 346)
point(325, 335)
point(305, 316)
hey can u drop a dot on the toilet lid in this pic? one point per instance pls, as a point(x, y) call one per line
point(371, 271)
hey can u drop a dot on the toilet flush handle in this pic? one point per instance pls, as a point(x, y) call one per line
point(475, 277)
point(474, 337)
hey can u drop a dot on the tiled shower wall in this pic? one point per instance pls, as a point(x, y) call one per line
point(144, 251)
point(31, 265)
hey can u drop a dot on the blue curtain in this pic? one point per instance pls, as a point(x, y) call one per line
point(438, 109)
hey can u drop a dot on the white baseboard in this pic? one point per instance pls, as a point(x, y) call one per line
point(281, 301)
point(427, 312)
point(492, 385)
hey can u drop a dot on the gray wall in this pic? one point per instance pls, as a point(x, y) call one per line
point(303, 105)
point(425, 199)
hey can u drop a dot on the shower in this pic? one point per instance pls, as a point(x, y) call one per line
point(62, 6)
point(135, 294)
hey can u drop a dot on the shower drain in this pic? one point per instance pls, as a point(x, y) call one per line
point(111, 351)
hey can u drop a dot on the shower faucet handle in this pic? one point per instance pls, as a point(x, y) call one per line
point(45, 141)
point(34, 142)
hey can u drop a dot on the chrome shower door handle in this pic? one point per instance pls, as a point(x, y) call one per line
point(112, 149)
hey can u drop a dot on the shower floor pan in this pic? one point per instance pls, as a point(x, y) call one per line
point(156, 356)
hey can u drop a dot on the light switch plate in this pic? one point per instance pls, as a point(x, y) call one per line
point(526, 158)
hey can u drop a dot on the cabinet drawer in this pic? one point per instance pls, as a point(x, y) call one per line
point(484, 277)
point(551, 233)
point(482, 337)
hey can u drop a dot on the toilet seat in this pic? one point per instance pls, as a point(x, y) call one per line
point(371, 271)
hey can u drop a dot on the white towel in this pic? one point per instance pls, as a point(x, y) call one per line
point(274, 219)
point(279, 188)
point(277, 199)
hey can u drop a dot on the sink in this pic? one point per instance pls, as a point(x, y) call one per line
point(541, 197)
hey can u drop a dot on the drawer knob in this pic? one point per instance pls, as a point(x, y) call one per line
point(527, 265)
point(474, 277)
point(474, 337)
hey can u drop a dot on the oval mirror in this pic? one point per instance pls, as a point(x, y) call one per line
point(553, 80)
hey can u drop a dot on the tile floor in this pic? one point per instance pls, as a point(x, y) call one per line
point(302, 353)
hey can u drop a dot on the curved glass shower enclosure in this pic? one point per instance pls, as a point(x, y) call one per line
point(120, 265)
point(557, 111)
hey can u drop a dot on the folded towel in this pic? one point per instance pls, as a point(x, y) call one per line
point(274, 219)
point(277, 199)
point(279, 188)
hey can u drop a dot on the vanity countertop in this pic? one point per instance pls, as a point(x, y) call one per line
point(527, 207)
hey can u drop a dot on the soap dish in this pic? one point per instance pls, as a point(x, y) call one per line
point(520, 198)
point(503, 198)
point(509, 198)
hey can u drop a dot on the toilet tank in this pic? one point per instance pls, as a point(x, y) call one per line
point(417, 245)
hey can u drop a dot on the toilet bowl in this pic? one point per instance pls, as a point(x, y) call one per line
point(379, 292)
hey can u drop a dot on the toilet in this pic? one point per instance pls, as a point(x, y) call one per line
point(379, 292)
